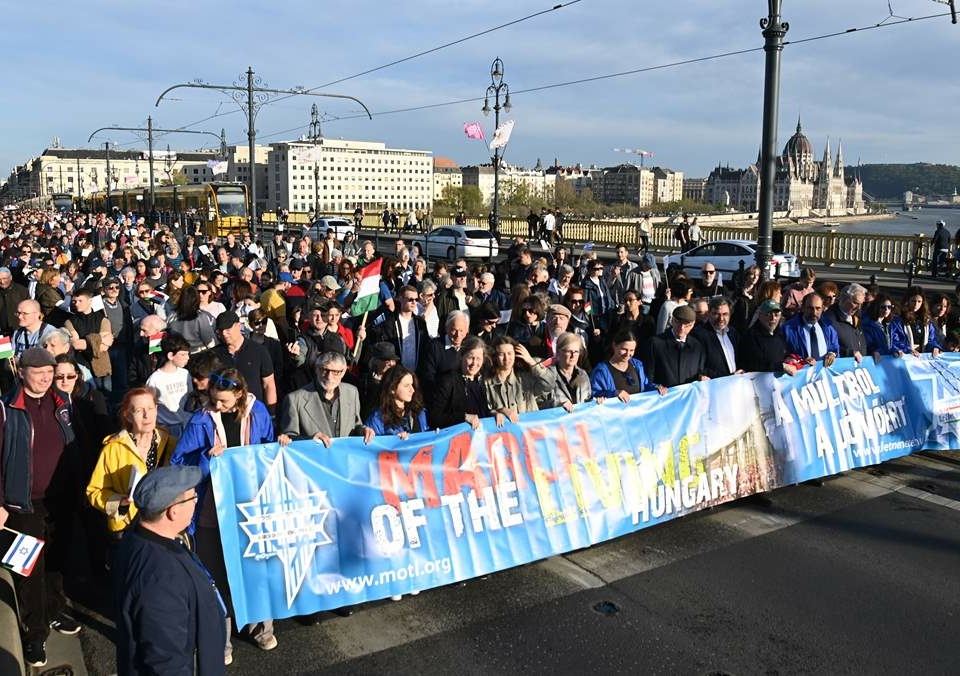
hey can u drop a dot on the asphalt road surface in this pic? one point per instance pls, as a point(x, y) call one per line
point(857, 576)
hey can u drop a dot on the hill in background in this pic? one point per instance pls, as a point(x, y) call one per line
point(890, 181)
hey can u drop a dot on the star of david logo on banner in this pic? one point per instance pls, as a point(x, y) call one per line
point(286, 522)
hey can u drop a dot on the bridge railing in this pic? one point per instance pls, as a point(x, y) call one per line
point(827, 246)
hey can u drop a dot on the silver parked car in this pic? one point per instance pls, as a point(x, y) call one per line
point(340, 226)
point(458, 241)
point(726, 254)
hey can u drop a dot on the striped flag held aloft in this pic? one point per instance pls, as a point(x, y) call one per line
point(368, 295)
point(6, 347)
point(155, 340)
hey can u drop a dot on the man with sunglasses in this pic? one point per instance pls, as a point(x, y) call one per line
point(121, 327)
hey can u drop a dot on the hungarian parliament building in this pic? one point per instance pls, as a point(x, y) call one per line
point(803, 188)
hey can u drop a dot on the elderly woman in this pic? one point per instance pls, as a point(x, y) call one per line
point(572, 384)
point(57, 343)
point(516, 380)
point(459, 396)
point(127, 456)
point(233, 417)
point(428, 307)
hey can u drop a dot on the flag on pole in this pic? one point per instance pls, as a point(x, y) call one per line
point(217, 166)
point(6, 348)
point(159, 297)
point(155, 342)
point(368, 295)
point(22, 555)
point(473, 130)
point(502, 136)
point(588, 308)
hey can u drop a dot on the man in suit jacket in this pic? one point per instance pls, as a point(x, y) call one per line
point(809, 335)
point(719, 340)
point(324, 409)
point(441, 355)
point(674, 357)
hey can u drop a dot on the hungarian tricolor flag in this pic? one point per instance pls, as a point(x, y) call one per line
point(155, 342)
point(368, 296)
point(588, 308)
point(6, 348)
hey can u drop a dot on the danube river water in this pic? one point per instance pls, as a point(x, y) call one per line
point(906, 223)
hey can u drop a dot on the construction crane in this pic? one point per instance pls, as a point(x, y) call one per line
point(635, 151)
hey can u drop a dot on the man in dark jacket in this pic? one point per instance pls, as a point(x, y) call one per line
point(170, 617)
point(674, 357)
point(763, 347)
point(719, 340)
point(441, 355)
point(844, 315)
point(38, 490)
point(11, 294)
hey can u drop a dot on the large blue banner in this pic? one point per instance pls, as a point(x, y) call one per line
point(308, 528)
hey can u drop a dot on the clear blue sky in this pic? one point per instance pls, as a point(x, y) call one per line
point(891, 95)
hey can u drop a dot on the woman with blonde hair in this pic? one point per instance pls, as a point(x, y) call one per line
point(140, 446)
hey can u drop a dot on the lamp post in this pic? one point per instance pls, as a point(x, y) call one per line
point(250, 97)
point(773, 31)
point(109, 174)
point(315, 136)
point(497, 87)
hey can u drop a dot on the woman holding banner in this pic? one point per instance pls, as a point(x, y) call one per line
point(401, 409)
point(884, 329)
point(459, 395)
point(233, 417)
point(622, 374)
point(516, 380)
point(572, 385)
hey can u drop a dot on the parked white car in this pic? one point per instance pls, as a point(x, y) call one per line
point(340, 226)
point(458, 241)
point(726, 254)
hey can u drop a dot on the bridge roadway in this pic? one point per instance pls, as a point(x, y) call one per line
point(857, 576)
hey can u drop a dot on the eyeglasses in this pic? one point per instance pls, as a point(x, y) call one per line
point(886, 307)
point(185, 500)
point(21, 313)
point(530, 310)
point(144, 292)
point(222, 381)
point(258, 324)
point(709, 272)
point(66, 376)
point(333, 372)
point(576, 300)
point(410, 299)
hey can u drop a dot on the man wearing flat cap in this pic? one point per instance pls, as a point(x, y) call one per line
point(170, 617)
point(39, 482)
point(674, 357)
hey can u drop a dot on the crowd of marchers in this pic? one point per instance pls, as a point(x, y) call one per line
point(130, 347)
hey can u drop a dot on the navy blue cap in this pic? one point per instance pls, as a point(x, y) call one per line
point(163, 486)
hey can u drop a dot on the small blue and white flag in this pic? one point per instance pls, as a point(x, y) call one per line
point(22, 555)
